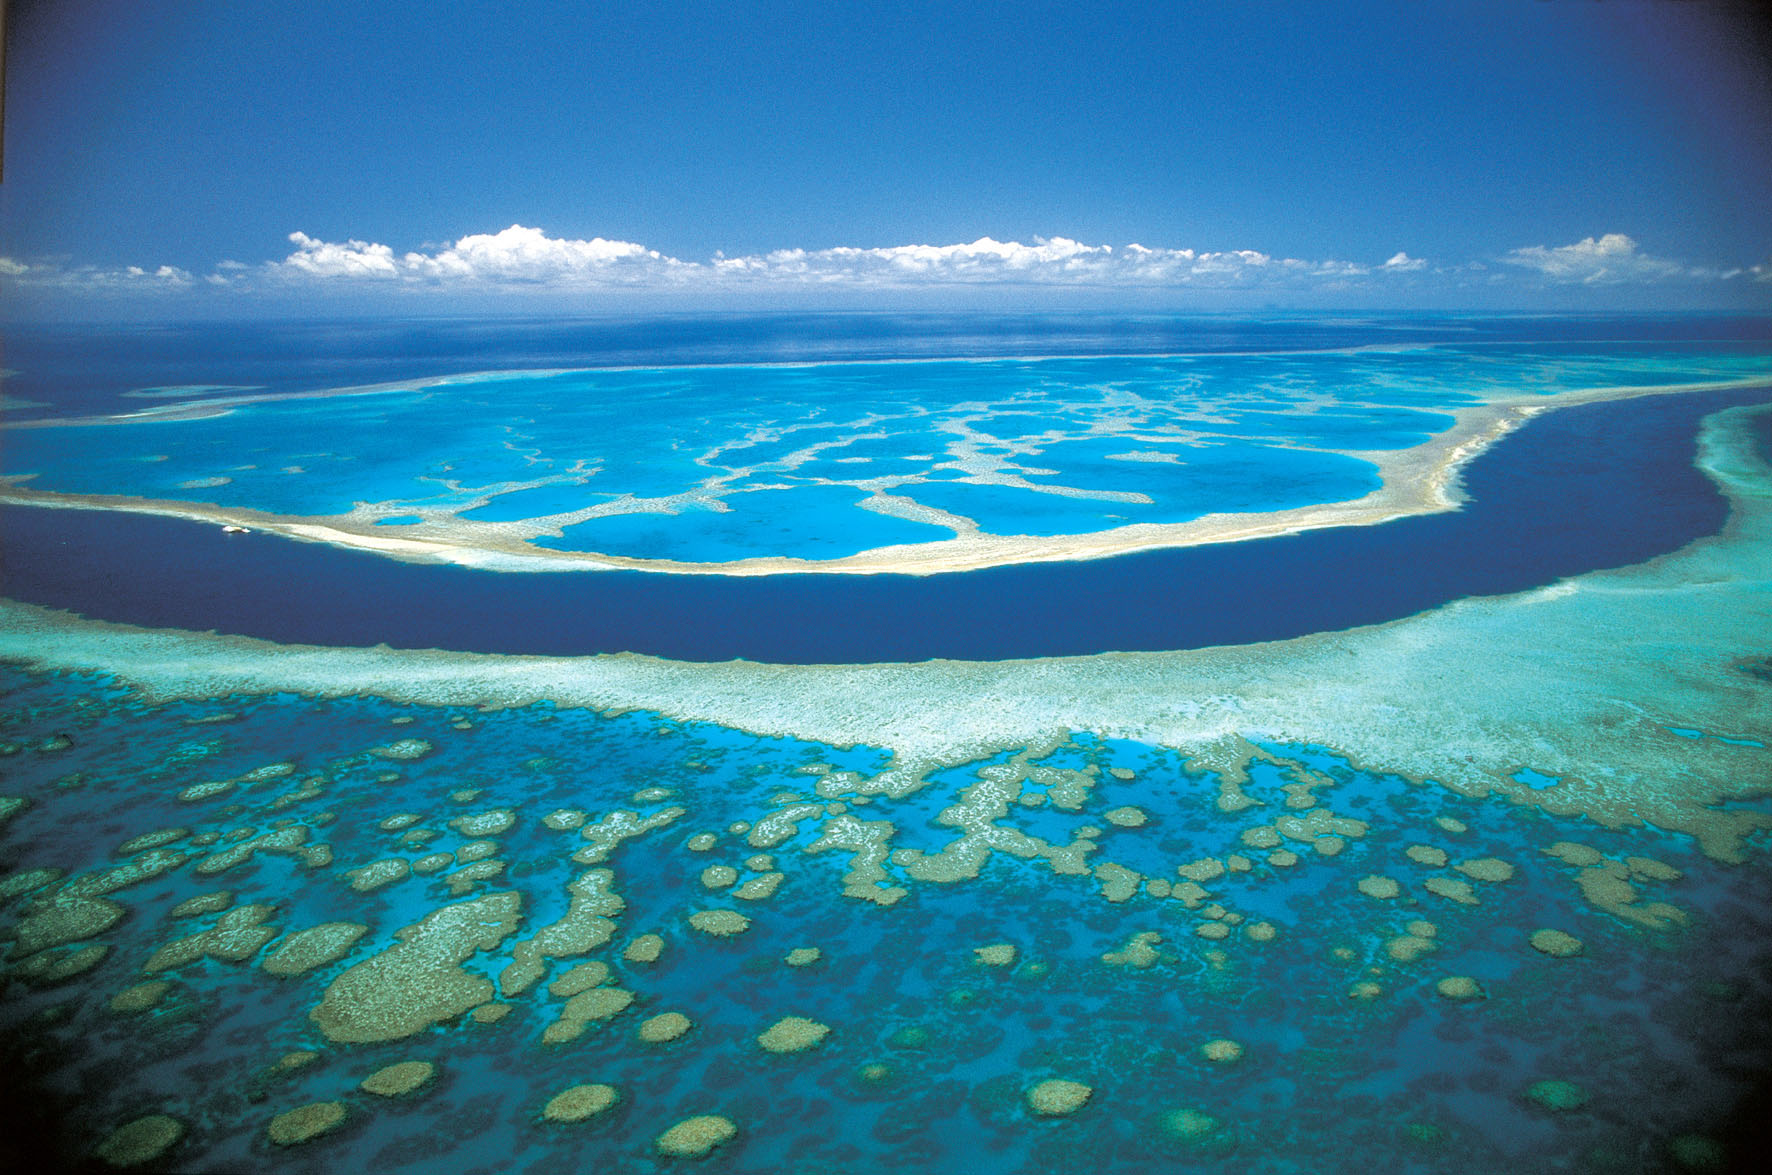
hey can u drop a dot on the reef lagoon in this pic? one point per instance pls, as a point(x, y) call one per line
point(856, 743)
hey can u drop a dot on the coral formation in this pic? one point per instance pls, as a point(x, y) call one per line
point(140, 1142)
point(399, 1079)
point(720, 923)
point(1556, 943)
point(305, 1123)
point(792, 1034)
point(663, 1027)
point(696, 1136)
point(646, 948)
point(580, 1102)
point(1057, 1097)
point(314, 947)
point(1459, 987)
point(419, 980)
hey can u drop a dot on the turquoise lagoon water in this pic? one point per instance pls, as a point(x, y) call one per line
point(817, 521)
point(715, 464)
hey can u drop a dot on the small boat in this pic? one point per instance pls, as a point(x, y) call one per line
point(232, 529)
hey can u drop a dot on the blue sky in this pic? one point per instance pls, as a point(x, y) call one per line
point(465, 155)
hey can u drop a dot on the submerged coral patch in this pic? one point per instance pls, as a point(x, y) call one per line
point(399, 1079)
point(583, 977)
point(586, 924)
point(1453, 889)
point(996, 955)
point(1406, 948)
point(314, 947)
point(236, 936)
point(1560, 1096)
point(143, 1141)
point(720, 923)
point(63, 917)
point(1058, 1097)
point(1382, 888)
point(26, 881)
point(1459, 987)
point(1428, 855)
point(140, 997)
point(404, 749)
point(484, 824)
point(696, 1136)
point(1188, 1124)
point(1486, 869)
point(305, 1123)
point(1140, 951)
point(761, 887)
point(645, 948)
point(1126, 817)
point(793, 1034)
point(580, 1102)
point(598, 1003)
point(664, 1027)
point(59, 964)
point(419, 980)
point(719, 877)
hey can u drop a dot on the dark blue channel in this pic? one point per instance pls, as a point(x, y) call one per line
point(1581, 488)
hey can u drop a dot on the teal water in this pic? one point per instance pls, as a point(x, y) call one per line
point(815, 521)
point(713, 464)
point(930, 1053)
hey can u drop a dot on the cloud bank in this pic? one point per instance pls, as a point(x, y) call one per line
point(94, 279)
point(518, 255)
point(1609, 260)
point(520, 258)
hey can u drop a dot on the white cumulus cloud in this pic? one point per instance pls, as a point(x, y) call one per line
point(521, 254)
point(515, 256)
point(351, 259)
point(1612, 259)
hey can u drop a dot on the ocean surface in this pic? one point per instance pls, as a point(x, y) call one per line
point(595, 935)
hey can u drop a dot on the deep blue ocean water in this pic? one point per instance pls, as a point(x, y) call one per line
point(88, 368)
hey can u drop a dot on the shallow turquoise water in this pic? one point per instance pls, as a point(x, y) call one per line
point(1182, 483)
point(816, 521)
point(1410, 1081)
point(791, 449)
